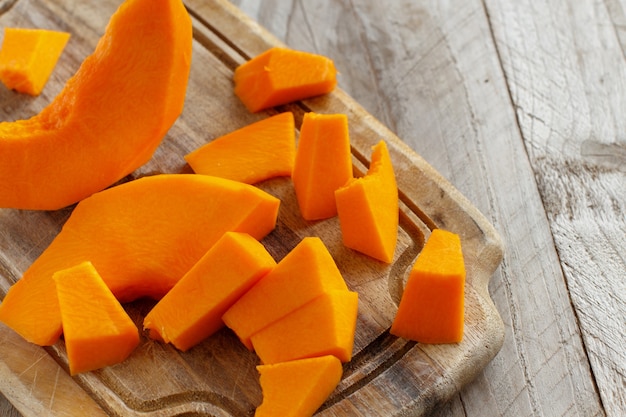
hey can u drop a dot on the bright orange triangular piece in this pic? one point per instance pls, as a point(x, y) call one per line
point(96, 328)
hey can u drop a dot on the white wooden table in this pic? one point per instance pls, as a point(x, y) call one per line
point(521, 105)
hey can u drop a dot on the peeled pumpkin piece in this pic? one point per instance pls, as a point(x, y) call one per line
point(323, 164)
point(192, 310)
point(142, 236)
point(281, 75)
point(432, 308)
point(297, 388)
point(306, 272)
point(256, 152)
point(368, 208)
point(110, 116)
point(324, 326)
point(97, 330)
point(28, 57)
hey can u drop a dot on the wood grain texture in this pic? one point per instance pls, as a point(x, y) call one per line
point(388, 376)
point(520, 105)
point(570, 106)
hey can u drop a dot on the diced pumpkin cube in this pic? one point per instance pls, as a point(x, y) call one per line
point(192, 310)
point(323, 164)
point(96, 328)
point(431, 309)
point(306, 272)
point(28, 57)
point(297, 388)
point(254, 153)
point(324, 326)
point(281, 75)
point(368, 208)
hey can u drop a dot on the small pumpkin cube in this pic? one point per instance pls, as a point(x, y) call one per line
point(282, 75)
point(28, 57)
point(324, 326)
point(323, 164)
point(432, 307)
point(97, 330)
point(368, 208)
point(251, 154)
point(297, 388)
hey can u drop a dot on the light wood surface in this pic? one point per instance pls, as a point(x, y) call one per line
point(520, 106)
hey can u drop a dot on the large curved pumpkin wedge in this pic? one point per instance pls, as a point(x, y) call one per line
point(142, 237)
point(110, 116)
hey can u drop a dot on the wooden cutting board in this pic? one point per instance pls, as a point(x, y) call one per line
point(388, 376)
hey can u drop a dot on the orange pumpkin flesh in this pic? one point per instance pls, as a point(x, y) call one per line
point(110, 116)
point(303, 274)
point(281, 75)
point(323, 164)
point(324, 326)
point(368, 209)
point(142, 237)
point(431, 309)
point(28, 57)
point(96, 329)
point(297, 388)
point(192, 310)
point(254, 153)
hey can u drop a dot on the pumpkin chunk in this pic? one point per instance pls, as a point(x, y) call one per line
point(254, 153)
point(297, 388)
point(431, 309)
point(280, 76)
point(324, 326)
point(78, 144)
point(323, 164)
point(28, 57)
point(142, 237)
point(368, 208)
point(96, 328)
point(192, 310)
point(303, 274)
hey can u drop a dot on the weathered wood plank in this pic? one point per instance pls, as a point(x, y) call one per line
point(570, 100)
point(431, 72)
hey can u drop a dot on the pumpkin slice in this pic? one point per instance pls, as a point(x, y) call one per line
point(431, 309)
point(28, 57)
point(303, 274)
point(142, 237)
point(297, 388)
point(324, 326)
point(281, 75)
point(254, 153)
point(192, 310)
point(323, 164)
point(96, 328)
point(368, 208)
point(110, 116)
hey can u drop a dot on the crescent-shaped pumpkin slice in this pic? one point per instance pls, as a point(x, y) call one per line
point(110, 116)
point(142, 237)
